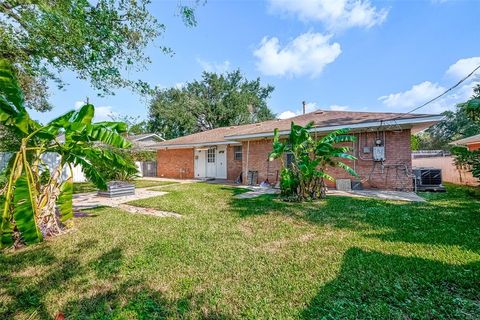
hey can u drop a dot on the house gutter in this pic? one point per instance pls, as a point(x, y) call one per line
point(363, 125)
point(193, 145)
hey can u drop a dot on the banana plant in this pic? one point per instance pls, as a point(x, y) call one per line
point(304, 178)
point(31, 209)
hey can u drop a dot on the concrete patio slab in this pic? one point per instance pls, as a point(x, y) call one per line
point(379, 194)
point(255, 192)
point(375, 194)
point(91, 200)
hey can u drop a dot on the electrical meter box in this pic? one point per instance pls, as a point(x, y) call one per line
point(379, 153)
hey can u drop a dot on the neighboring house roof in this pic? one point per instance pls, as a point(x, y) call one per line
point(324, 121)
point(145, 137)
point(467, 141)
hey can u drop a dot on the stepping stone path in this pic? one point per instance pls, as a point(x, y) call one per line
point(91, 200)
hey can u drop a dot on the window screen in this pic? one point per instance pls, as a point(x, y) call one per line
point(237, 150)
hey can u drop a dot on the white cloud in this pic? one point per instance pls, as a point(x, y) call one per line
point(418, 94)
point(463, 67)
point(425, 91)
point(309, 53)
point(338, 108)
point(219, 67)
point(179, 85)
point(286, 114)
point(335, 14)
point(104, 113)
point(78, 104)
point(310, 107)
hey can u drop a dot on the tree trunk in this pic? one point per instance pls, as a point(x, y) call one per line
point(48, 221)
point(323, 189)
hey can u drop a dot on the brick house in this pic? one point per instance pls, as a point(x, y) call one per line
point(230, 152)
point(471, 143)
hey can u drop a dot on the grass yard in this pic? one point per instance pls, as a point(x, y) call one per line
point(82, 187)
point(260, 258)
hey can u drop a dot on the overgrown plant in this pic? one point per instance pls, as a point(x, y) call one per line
point(32, 208)
point(465, 159)
point(304, 178)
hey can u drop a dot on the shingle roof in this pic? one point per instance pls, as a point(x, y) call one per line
point(320, 118)
point(138, 137)
point(467, 141)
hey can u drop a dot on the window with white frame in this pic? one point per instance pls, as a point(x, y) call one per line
point(237, 152)
point(211, 155)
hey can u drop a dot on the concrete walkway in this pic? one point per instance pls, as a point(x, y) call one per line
point(91, 200)
point(168, 179)
point(375, 194)
point(379, 194)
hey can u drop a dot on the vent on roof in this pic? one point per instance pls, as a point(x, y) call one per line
point(258, 124)
point(319, 112)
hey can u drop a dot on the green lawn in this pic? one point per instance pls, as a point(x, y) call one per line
point(257, 258)
point(81, 187)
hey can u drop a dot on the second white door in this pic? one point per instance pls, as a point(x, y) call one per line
point(211, 163)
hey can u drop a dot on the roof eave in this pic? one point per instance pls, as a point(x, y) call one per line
point(193, 145)
point(374, 124)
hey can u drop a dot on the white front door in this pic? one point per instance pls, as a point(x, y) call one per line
point(211, 163)
point(200, 163)
point(221, 163)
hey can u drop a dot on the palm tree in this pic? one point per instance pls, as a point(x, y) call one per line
point(29, 207)
point(304, 178)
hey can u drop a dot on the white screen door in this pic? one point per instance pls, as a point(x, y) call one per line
point(211, 163)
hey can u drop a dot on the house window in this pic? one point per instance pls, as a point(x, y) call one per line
point(289, 160)
point(211, 155)
point(237, 152)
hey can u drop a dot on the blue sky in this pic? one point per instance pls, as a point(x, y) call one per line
point(334, 54)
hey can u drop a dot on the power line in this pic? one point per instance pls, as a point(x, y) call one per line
point(437, 97)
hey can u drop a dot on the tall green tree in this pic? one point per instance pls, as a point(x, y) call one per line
point(98, 40)
point(217, 100)
point(457, 124)
point(134, 124)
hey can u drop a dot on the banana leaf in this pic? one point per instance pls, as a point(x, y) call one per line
point(84, 115)
point(64, 201)
point(24, 209)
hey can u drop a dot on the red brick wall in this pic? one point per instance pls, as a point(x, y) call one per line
point(474, 146)
point(397, 152)
point(234, 167)
point(175, 163)
point(258, 160)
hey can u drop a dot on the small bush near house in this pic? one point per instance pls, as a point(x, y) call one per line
point(466, 159)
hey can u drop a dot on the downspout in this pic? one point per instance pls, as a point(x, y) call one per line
point(246, 164)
